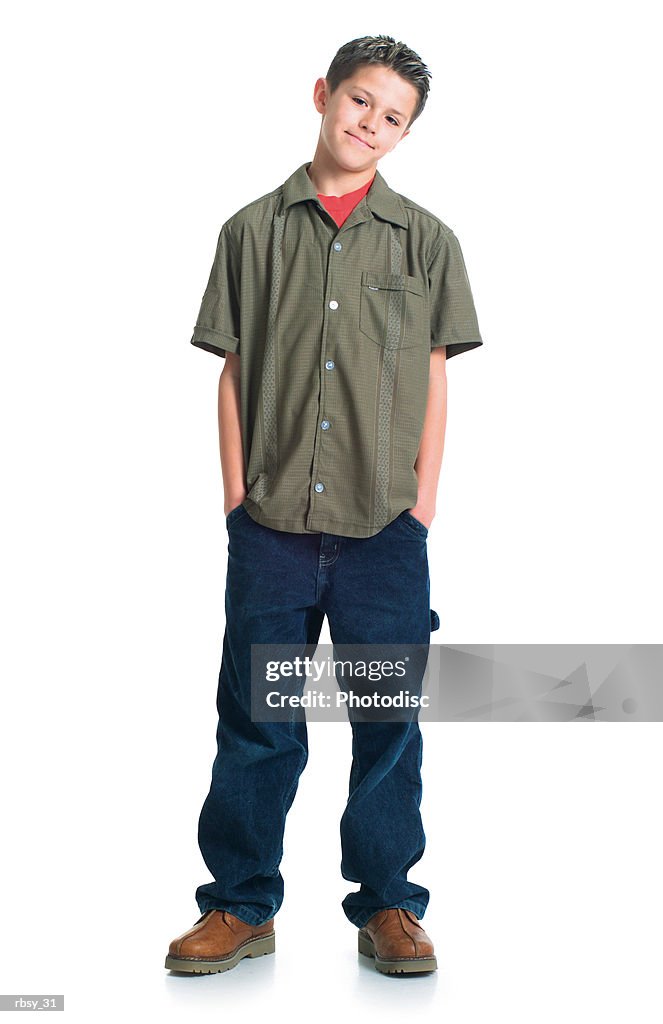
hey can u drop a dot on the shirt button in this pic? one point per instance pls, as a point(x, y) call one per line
point(338, 246)
point(333, 304)
point(329, 365)
point(319, 487)
point(325, 424)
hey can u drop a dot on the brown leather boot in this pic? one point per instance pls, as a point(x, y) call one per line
point(397, 942)
point(217, 942)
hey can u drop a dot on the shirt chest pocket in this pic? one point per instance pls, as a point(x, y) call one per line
point(393, 310)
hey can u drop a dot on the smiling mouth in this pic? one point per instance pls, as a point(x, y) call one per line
point(361, 141)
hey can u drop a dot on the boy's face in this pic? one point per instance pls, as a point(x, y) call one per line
point(366, 117)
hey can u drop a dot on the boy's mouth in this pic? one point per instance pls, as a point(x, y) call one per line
point(360, 141)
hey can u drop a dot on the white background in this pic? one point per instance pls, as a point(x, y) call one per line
point(132, 131)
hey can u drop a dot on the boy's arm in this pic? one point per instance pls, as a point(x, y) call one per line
point(454, 329)
point(230, 434)
point(431, 447)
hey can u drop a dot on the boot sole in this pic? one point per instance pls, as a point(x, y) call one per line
point(203, 965)
point(401, 965)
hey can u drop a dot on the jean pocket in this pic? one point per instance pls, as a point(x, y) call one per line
point(235, 513)
point(413, 523)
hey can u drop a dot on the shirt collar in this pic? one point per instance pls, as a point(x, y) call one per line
point(380, 199)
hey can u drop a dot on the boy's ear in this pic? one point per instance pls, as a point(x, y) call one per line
point(320, 90)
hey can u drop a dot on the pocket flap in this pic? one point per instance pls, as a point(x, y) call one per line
point(392, 282)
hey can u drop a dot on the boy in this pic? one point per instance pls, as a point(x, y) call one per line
point(335, 303)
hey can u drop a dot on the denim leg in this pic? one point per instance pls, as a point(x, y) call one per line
point(270, 593)
point(382, 834)
point(379, 593)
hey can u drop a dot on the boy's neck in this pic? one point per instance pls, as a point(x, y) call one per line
point(330, 180)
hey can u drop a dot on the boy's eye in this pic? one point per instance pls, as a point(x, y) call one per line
point(360, 99)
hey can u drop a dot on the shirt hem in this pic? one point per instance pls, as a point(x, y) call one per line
point(323, 525)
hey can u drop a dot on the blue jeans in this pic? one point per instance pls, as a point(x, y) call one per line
point(279, 586)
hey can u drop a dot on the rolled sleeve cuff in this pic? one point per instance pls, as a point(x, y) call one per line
point(214, 341)
point(454, 348)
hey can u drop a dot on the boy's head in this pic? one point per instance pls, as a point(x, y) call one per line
point(374, 90)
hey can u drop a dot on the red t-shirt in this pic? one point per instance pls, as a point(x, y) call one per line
point(340, 207)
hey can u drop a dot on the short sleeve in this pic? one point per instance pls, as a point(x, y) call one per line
point(453, 318)
point(217, 326)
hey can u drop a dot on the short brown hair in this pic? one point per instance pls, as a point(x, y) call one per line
point(381, 50)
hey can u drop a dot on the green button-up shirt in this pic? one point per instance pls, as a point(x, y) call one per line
point(334, 328)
